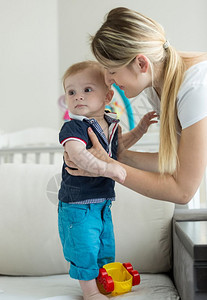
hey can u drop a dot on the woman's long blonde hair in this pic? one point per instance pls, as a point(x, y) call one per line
point(127, 33)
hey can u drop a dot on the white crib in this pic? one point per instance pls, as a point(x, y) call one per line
point(32, 145)
point(37, 155)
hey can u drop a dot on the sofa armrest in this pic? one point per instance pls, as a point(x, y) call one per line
point(190, 253)
point(190, 215)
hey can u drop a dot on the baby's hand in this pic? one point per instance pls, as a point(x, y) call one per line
point(116, 172)
point(146, 121)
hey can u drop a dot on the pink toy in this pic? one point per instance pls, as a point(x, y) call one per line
point(63, 107)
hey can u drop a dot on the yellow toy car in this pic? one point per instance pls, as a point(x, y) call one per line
point(117, 278)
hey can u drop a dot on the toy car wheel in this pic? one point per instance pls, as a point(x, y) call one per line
point(128, 266)
point(102, 274)
point(108, 284)
point(136, 277)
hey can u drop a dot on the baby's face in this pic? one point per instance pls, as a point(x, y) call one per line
point(86, 93)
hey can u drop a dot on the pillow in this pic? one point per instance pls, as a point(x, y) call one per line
point(29, 242)
point(142, 230)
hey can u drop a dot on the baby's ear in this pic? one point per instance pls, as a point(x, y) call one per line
point(109, 96)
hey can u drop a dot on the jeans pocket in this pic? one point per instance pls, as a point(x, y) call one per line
point(74, 214)
point(107, 211)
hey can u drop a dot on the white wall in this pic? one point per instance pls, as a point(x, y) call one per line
point(41, 38)
point(184, 22)
point(28, 64)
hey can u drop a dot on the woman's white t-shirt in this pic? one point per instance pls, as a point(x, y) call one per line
point(191, 98)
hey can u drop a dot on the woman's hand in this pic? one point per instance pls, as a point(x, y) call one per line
point(97, 150)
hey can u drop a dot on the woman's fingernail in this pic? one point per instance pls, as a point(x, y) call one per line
point(89, 129)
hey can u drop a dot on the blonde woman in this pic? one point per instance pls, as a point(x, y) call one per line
point(137, 56)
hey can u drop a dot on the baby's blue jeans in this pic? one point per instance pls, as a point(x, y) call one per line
point(87, 237)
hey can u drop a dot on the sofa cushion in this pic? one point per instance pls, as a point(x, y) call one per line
point(143, 231)
point(28, 222)
point(62, 287)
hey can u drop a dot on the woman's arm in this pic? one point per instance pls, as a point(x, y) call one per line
point(89, 163)
point(181, 186)
point(146, 161)
point(139, 160)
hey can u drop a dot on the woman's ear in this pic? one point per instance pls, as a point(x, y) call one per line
point(142, 62)
point(109, 96)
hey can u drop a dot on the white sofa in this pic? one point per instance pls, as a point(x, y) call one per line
point(32, 265)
